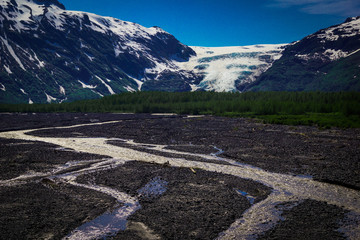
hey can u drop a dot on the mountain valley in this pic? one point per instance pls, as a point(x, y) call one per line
point(50, 54)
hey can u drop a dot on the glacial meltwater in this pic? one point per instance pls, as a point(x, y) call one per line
point(260, 217)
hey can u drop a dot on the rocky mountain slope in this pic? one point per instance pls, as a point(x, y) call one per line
point(50, 54)
point(328, 60)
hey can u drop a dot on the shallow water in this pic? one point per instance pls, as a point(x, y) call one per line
point(106, 225)
point(245, 194)
point(260, 217)
point(154, 188)
point(110, 223)
point(219, 151)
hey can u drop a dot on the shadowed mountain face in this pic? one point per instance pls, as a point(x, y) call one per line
point(327, 60)
point(50, 54)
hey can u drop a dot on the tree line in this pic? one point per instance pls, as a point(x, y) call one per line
point(253, 104)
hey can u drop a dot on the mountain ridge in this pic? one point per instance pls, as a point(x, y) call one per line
point(50, 54)
point(313, 63)
point(54, 49)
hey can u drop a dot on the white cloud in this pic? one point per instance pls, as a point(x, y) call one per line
point(347, 8)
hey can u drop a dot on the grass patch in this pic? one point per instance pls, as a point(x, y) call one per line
point(321, 120)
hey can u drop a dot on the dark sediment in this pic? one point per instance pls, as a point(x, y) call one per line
point(18, 157)
point(41, 208)
point(46, 210)
point(205, 149)
point(310, 220)
point(327, 155)
point(195, 206)
point(21, 121)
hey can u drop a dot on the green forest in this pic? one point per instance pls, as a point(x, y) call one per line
point(322, 109)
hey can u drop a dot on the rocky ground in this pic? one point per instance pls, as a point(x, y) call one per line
point(43, 210)
point(327, 155)
point(196, 204)
point(18, 157)
point(308, 220)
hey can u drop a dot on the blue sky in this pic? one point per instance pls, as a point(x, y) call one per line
point(226, 22)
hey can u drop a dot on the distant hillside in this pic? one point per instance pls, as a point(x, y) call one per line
point(328, 60)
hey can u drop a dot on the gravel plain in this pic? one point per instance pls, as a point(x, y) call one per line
point(197, 204)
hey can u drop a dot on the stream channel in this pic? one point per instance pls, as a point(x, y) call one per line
point(259, 218)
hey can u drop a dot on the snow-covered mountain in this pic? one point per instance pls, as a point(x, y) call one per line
point(328, 60)
point(50, 54)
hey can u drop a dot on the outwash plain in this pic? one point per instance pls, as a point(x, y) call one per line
point(143, 176)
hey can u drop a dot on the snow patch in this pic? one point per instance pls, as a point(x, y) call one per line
point(335, 54)
point(63, 100)
point(91, 58)
point(305, 57)
point(40, 64)
point(86, 86)
point(49, 98)
point(130, 89)
point(30, 101)
point(27, 15)
point(11, 51)
point(347, 29)
point(2, 87)
point(118, 50)
point(62, 90)
point(82, 45)
point(8, 70)
point(97, 93)
point(194, 87)
point(139, 83)
point(56, 18)
point(23, 91)
point(106, 85)
point(328, 54)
